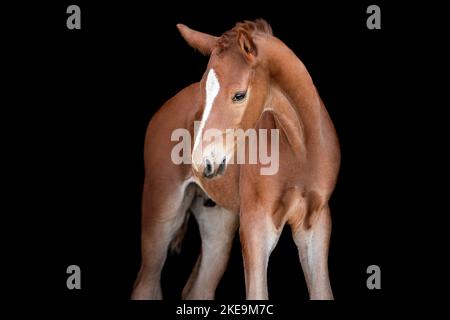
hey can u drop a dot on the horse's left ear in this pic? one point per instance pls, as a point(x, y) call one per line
point(203, 42)
point(247, 45)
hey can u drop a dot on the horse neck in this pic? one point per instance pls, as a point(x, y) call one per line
point(293, 80)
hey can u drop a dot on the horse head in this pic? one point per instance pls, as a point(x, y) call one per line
point(234, 89)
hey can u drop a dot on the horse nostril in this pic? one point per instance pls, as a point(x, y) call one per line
point(221, 168)
point(209, 170)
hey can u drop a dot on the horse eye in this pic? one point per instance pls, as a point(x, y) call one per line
point(239, 96)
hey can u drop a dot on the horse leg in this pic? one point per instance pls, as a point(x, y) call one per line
point(258, 238)
point(217, 228)
point(163, 213)
point(312, 239)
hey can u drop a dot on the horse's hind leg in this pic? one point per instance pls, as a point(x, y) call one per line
point(217, 229)
point(163, 213)
point(312, 237)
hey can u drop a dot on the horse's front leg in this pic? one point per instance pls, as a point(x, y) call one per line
point(217, 228)
point(258, 238)
point(312, 238)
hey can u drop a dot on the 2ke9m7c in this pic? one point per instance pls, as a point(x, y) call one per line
point(259, 309)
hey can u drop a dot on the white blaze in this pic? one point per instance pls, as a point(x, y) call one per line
point(212, 89)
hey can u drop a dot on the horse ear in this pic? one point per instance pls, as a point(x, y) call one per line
point(198, 40)
point(247, 45)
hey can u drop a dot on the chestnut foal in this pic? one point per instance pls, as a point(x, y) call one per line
point(252, 81)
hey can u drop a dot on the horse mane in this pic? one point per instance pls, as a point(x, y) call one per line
point(230, 37)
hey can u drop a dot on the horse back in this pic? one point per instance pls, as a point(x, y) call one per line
point(179, 112)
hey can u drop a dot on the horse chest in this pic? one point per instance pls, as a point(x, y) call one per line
point(223, 191)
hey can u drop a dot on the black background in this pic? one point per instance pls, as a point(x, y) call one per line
point(95, 89)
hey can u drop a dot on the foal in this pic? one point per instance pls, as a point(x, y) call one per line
point(252, 81)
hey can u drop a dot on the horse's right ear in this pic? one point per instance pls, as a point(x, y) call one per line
point(198, 40)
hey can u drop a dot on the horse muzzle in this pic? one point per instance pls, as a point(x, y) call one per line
point(213, 169)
